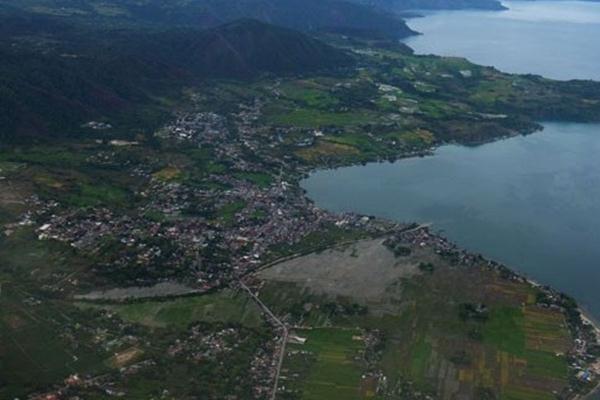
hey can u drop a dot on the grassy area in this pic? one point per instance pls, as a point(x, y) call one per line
point(7, 167)
point(504, 330)
point(90, 195)
point(203, 161)
point(34, 353)
point(45, 155)
point(228, 211)
point(168, 174)
point(312, 118)
point(419, 360)
point(526, 394)
point(260, 179)
point(325, 149)
point(532, 336)
point(329, 370)
point(489, 92)
point(310, 93)
point(224, 306)
point(28, 260)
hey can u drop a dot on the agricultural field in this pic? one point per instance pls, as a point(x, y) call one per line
point(324, 149)
point(314, 118)
point(260, 179)
point(39, 341)
point(447, 330)
point(222, 307)
point(327, 366)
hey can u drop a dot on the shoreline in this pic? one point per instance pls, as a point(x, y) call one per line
point(306, 174)
point(587, 318)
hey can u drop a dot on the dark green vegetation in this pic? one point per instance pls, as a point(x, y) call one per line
point(241, 49)
point(55, 78)
point(59, 73)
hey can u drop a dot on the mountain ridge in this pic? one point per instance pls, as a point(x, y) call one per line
point(53, 89)
point(303, 15)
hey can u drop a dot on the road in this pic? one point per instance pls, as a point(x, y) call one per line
point(284, 339)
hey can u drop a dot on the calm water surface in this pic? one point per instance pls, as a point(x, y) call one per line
point(557, 39)
point(531, 202)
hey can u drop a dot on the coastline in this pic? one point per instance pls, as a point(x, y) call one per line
point(586, 317)
point(589, 317)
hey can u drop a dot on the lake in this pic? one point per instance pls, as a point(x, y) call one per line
point(556, 39)
point(531, 202)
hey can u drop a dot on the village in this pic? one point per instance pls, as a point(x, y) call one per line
point(204, 238)
point(214, 235)
point(243, 223)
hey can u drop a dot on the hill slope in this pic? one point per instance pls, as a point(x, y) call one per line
point(241, 49)
point(304, 15)
point(53, 88)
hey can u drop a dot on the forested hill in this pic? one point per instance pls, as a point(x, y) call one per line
point(52, 81)
point(241, 49)
point(303, 15)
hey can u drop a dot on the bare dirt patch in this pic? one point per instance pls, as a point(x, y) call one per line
point(126, 357)
point(363, 270)
point(12, 194)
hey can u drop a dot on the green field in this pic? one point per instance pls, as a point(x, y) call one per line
point(260, 179)
point(310, 93)
point(34, 352)
point(228, 211)
point(313, 118)
point(431, 346)
point(223, 307)
point(329, 370)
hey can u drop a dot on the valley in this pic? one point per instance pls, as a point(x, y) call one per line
point(173, 254)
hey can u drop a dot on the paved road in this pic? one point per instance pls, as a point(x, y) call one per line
point(284, 339)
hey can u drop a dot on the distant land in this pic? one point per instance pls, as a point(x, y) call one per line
point(303, 15)
point(434, 4)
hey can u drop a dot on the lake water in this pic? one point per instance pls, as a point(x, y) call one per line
point(556, 39)
point(531, 202)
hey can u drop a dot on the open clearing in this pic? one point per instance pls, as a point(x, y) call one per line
point(326, 363)
point(222, 307)
point(363, 270)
